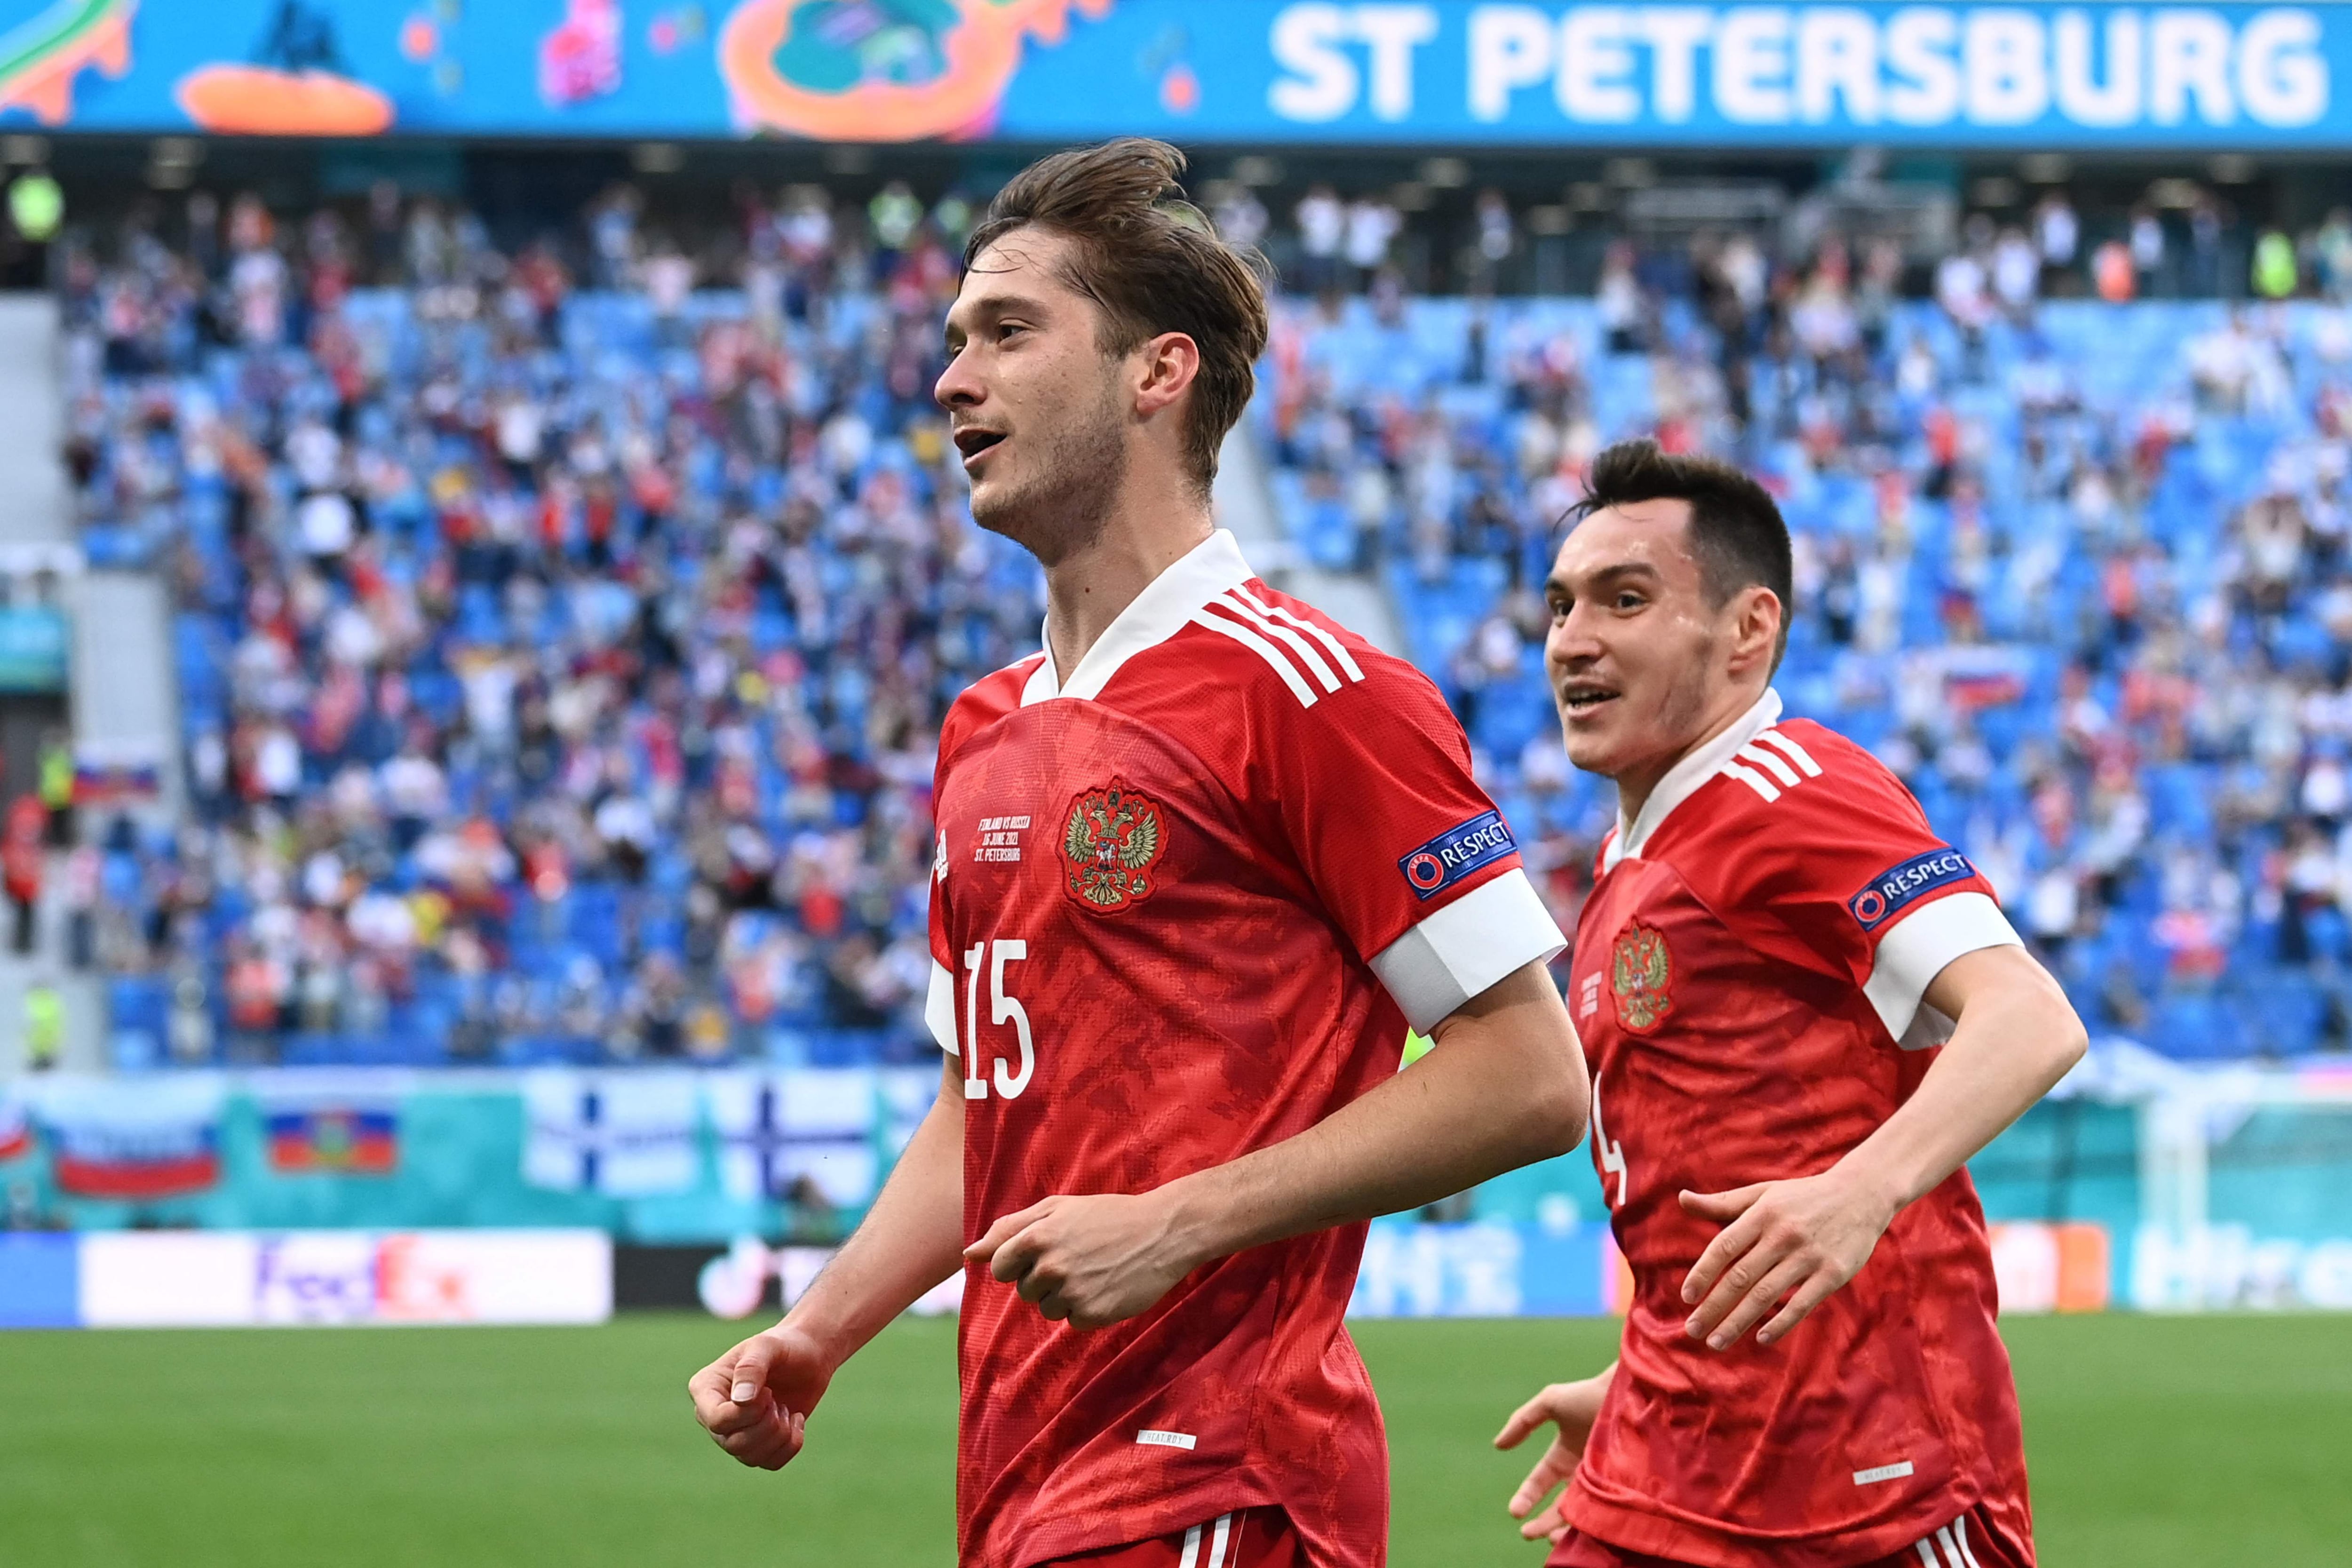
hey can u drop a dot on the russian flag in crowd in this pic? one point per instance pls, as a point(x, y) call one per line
point(1979, 676)
point(331, 1139)
point(163, 1141)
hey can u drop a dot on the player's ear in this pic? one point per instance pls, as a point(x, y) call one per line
point(1168, 364)
point(1756, 627)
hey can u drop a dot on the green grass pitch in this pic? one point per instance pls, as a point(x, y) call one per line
point(2154, 1441)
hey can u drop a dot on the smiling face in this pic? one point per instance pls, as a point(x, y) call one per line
point(1034, 401)
point(1644, 662)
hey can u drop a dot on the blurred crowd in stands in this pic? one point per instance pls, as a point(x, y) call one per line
point(560, 669)
point(2078, 572)
point(563, 635)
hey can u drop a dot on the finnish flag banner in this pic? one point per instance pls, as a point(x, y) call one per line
point(625, 1134)
point(776, 1128)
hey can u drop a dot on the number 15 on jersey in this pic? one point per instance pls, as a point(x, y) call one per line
point(1002, 1009)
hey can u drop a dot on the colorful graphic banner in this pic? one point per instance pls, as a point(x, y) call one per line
point(361, 1139)
point(1239, 71)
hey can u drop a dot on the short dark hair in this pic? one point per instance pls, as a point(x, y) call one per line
point(1735, 529)
point(1153, 262)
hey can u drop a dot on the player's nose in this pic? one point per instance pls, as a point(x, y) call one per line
point(1573, 641)
point(958, 386)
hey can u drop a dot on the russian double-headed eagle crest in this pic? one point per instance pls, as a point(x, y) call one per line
point(1641, 973)
point(1114, 836)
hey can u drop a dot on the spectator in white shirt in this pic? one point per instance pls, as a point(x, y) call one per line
point(1322, 228)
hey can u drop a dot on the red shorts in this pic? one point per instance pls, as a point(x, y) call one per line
point(1970, 1540)
point(1247, 1538)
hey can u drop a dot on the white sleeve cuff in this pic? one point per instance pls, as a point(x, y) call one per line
point(1467, 946)
point(939, 1008)
point(1915, 951)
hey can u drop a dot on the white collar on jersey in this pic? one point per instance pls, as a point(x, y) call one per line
point(1166, 605)
point(1682, 779)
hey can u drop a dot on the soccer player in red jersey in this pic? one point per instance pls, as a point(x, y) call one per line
point(1803, 1012)
point(1201, 861)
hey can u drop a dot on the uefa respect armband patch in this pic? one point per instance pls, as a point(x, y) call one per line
point(1455, 853)
point(1898, 886)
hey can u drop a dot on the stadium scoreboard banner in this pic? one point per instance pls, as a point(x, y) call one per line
point(1258, 72)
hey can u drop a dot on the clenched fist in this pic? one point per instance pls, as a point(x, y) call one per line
point(755, 1400)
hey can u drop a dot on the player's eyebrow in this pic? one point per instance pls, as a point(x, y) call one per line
point(1558, 587)
point(990, 308)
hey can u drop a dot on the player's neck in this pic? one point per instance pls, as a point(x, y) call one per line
point(1087, 589)
point(1635, 787)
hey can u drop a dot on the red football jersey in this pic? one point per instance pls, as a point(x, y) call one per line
point(1755, 947)
point(1184, 905)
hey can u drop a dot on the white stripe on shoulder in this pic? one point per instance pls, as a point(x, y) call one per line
point(1263, 648)
point(1314, 660)
point(1771, 762)
point(939, 1008)
point(1753, 780)
point(1795, 753)
point(1340, 653)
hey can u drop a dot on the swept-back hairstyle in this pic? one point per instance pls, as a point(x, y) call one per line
point(1153, 263)
point(1735, 529)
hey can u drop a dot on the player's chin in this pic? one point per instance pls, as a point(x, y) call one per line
point(995, 500)
point(1593, 734)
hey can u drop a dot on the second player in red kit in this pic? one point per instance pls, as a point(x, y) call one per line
point(1803, 1010)
point(1201, 861)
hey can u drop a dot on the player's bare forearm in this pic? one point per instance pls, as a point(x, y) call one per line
point(1504, 1085)
point(1795, 1243)
point(755, 1399)
point(910, 1239)
point(2014, 1036)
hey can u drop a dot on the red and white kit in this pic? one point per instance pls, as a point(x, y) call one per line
point(1186, 902)
point(1747, 982)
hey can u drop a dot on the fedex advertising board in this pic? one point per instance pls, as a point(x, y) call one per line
point(241, 1279)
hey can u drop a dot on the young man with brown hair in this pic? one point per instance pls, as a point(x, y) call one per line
point(1201, 860)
